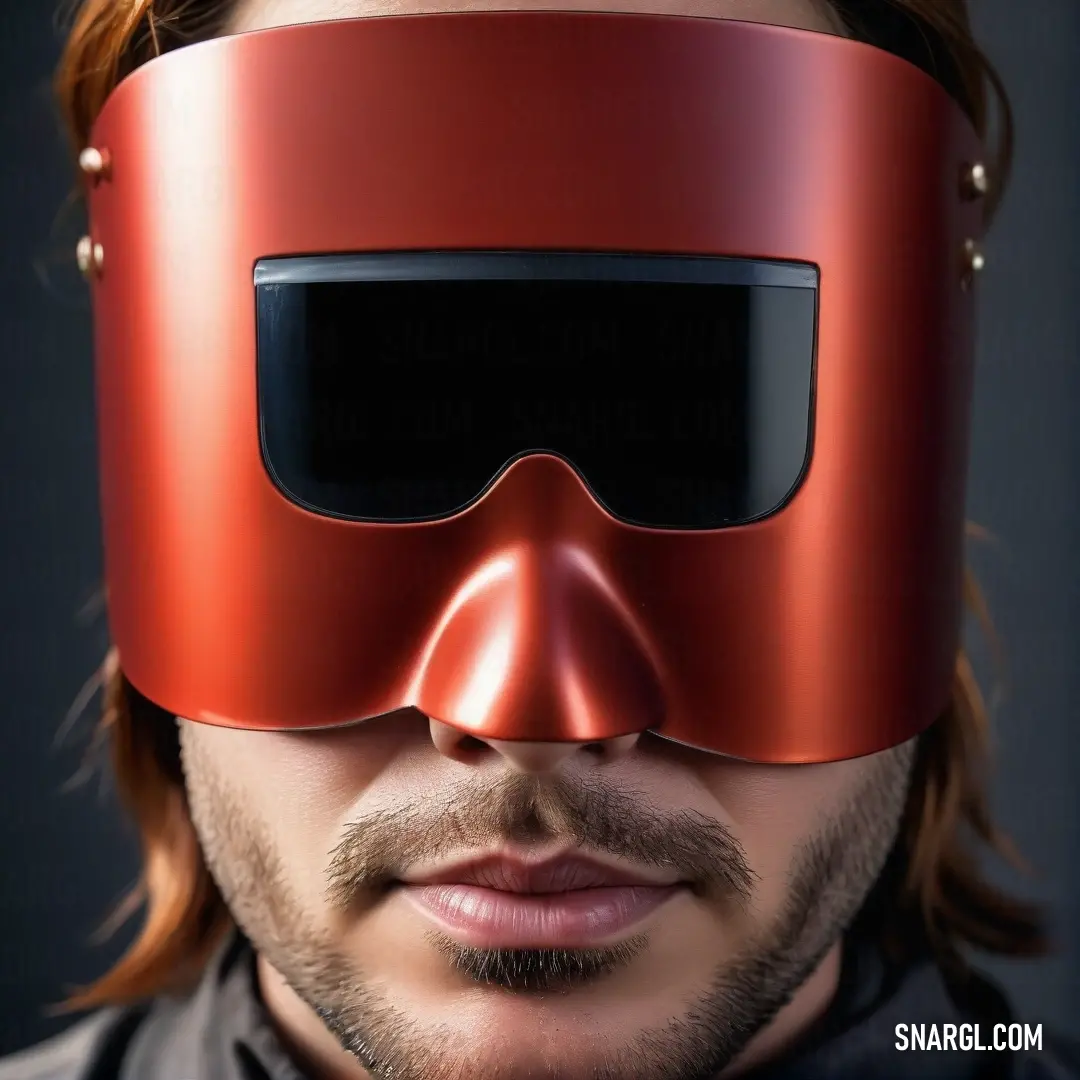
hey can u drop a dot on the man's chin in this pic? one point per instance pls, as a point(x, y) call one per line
point(538, 972)
point(484, 1016)
point(492, 1034)
point(528, 992)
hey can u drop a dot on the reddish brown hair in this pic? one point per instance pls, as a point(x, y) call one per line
point(932, 896)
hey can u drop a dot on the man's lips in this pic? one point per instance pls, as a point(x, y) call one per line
point(562, 873)
point(563, 902)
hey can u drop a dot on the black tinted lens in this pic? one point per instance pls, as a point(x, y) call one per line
point(397, 387)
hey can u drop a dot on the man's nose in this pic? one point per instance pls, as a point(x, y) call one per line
point(538, 644)
point(526, 757)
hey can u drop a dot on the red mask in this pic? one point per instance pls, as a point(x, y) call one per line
point(558, 375)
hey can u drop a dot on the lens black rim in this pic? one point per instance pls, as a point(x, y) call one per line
point(498, 265)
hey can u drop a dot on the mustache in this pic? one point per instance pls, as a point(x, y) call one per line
point(589, 813)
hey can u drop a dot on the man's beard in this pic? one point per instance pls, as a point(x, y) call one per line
point(831, 877)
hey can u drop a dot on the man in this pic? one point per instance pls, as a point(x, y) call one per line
point(533, 858)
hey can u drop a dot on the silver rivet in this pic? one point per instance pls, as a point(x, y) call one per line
point(90, 256)
point(976, 181)
point(94, 162)
point(974, 261)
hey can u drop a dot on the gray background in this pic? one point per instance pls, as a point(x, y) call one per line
point(66, 858)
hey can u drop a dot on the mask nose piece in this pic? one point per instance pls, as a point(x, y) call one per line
point(538, 646)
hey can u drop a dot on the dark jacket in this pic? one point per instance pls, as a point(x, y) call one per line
point(221, 1032)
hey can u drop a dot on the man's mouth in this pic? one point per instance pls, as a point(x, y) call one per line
point(564, 902)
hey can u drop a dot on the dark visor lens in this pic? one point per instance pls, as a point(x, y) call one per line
point(398, 387)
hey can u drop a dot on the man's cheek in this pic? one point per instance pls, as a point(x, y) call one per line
point(771, 853)
point(301, 858)
point(782, 798)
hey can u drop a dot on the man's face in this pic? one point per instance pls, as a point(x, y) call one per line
point(341, 855)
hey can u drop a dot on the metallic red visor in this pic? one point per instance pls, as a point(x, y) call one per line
point(560, 375)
